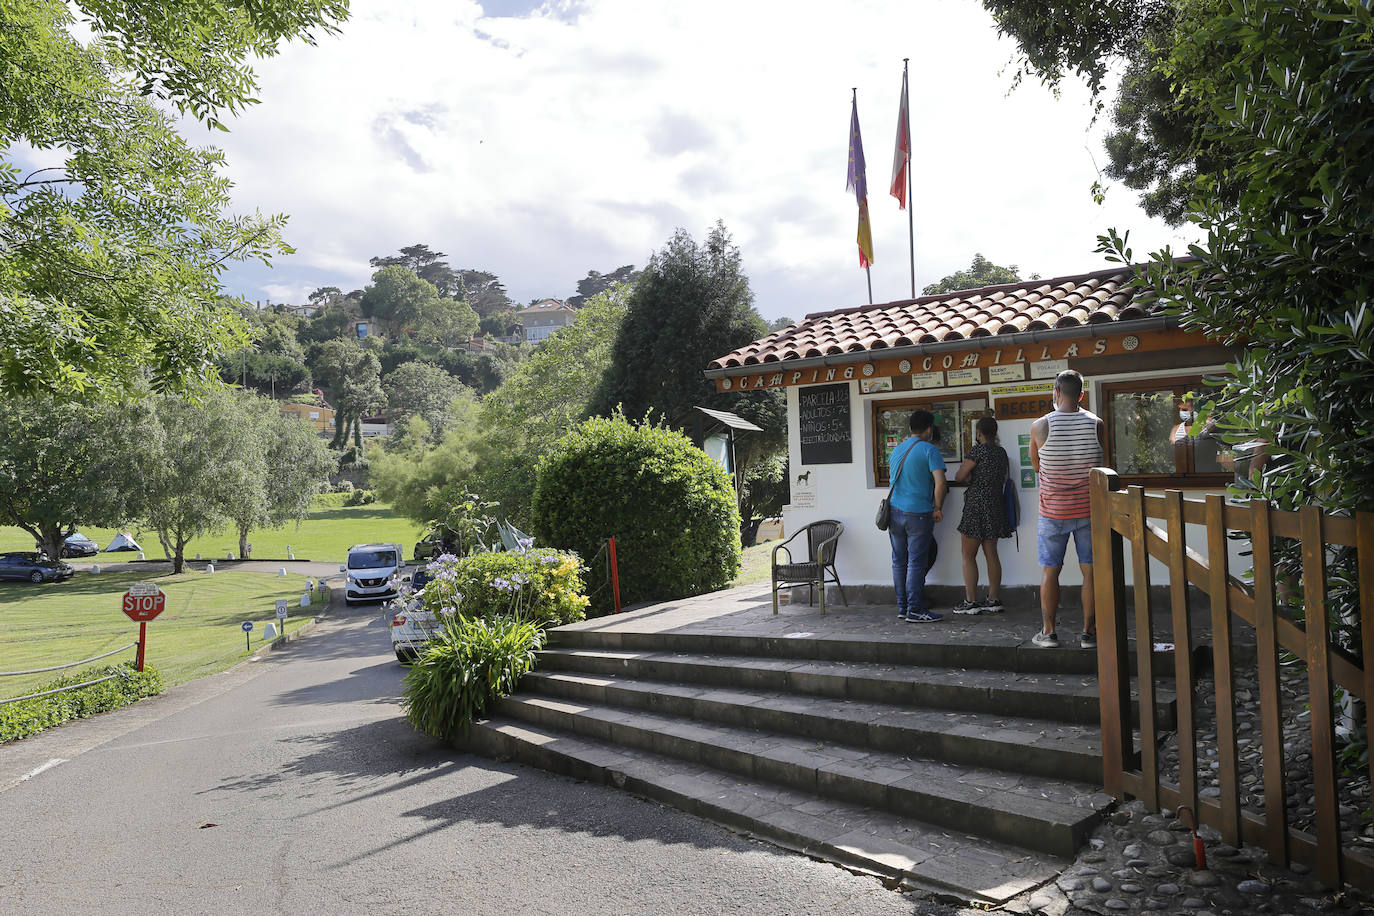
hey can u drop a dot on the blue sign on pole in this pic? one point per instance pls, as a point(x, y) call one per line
point(247, 640)
point(247, 626)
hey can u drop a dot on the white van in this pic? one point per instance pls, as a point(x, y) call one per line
point(370, 569)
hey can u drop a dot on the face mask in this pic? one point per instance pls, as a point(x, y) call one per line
point(1185, 415)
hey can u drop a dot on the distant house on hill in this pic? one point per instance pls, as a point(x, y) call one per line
point(545, 317)
point(318, 416)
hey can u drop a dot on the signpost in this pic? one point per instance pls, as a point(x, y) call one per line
point(281, 614)
point(247, 626)
point(143, 602)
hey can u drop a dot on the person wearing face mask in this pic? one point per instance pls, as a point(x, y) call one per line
point(1186, 416)
point(1065, 445)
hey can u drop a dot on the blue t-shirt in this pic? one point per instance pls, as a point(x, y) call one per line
point(914, 489)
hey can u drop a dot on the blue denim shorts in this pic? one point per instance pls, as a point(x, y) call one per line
point(1052, 540)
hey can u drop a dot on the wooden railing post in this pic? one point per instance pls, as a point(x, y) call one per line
point(1323, 725)
point(1182, 617)
point(1113, 672)
point(1144, 650)
point(1223, 667)
point(1271, 703)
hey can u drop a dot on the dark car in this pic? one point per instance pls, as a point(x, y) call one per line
point(35, 567)
point(432, 545)
point(78, 545)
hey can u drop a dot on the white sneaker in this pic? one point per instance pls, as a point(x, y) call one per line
point(1046, 640)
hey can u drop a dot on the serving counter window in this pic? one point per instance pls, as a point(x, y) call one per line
point(955, 417)
point(1151, 434)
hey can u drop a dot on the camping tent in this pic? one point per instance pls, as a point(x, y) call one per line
point(122, 541)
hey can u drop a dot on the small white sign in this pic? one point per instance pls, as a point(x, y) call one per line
point(874, 385)
point(928, 380)
point(281, 608)
point(1048, 368)
point(143, 589)
point(803, 499)
point(1012, 373)
point(965, 377)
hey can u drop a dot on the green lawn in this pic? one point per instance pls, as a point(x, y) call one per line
point(326, 534)
point(199, 633)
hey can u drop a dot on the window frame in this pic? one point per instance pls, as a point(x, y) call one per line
point(877, 456)
point(1183, 478)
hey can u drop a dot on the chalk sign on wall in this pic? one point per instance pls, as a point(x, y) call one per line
point(825, 425)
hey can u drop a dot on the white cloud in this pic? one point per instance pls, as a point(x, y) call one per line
point(539, 146)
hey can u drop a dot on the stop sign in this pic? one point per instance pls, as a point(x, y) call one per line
point(143, 602)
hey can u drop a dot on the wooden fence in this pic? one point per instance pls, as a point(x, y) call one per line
point(1155, 526)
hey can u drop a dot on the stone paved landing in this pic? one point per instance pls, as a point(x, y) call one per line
point(861, 838)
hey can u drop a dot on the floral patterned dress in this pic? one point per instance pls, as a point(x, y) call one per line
point(985, 517)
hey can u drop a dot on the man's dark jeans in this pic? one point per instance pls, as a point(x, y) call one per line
point(910, 534)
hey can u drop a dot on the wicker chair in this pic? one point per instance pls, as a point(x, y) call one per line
point(822, 539)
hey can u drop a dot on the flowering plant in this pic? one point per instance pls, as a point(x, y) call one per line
point(540, 585)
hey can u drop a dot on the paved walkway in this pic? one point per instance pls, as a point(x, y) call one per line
point(1137, 862)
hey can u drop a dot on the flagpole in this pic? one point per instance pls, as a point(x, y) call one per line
point(910, 202)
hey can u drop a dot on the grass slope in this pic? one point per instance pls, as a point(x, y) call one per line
point(326, 534)
point(199, 632)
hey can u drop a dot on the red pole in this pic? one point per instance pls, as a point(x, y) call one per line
point(142, 643)
point(615, 576)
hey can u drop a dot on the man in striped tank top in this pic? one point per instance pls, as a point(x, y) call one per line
point(1065, 445)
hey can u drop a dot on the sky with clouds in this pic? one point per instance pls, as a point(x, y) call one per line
point(540, 141)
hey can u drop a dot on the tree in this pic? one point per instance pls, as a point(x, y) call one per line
point(424, 390)
point(192, 466)
point(484, 292)
point(109, 261)
point(64, 464)
point(399, 297)
point(1160, 144)
point(289, 462)
point(596, 283)
point(353, 375)
point(777, 324)
point(543, 399)
point(429, 266)
point(691, 304)
point(981, 272)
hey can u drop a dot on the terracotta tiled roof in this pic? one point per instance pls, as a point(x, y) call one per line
point(1030, 305)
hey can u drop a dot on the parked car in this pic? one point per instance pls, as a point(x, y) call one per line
point(412, 626)
point(34, 567)
point(432, 545)
point(77, 545)
point(370, 569)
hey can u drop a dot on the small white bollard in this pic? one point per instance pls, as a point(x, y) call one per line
point(269, 631)
point(289, 554)
point(198, 555)
point(95, 568)
point(209, 567)
point(305, 599)
point(229, 555)
point(281, 572)
point(141, 556)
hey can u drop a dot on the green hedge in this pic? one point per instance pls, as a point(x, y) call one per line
point(28, 717)
point(670, 507)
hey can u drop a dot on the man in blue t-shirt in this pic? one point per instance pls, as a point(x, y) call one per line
point(917, 471)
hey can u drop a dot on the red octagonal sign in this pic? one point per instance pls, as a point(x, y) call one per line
point(143, 601)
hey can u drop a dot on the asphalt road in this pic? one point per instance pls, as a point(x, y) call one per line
point(292, 784)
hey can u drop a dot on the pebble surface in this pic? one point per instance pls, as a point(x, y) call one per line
point(1127, 868)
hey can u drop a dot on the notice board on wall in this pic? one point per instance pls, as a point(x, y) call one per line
point(825, 429)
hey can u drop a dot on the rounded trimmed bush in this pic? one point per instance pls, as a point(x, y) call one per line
point(670, 508)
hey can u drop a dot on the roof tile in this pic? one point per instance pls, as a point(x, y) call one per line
point(1063, 302)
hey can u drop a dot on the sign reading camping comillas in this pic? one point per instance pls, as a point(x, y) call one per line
point(143, 601)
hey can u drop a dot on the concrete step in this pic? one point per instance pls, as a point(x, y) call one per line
point(1024, 745)
point(870, 840)
point(1008, 655)
point(1062, 697)
point(1048, 815)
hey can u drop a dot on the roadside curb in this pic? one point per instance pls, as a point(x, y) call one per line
point(289, 637)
